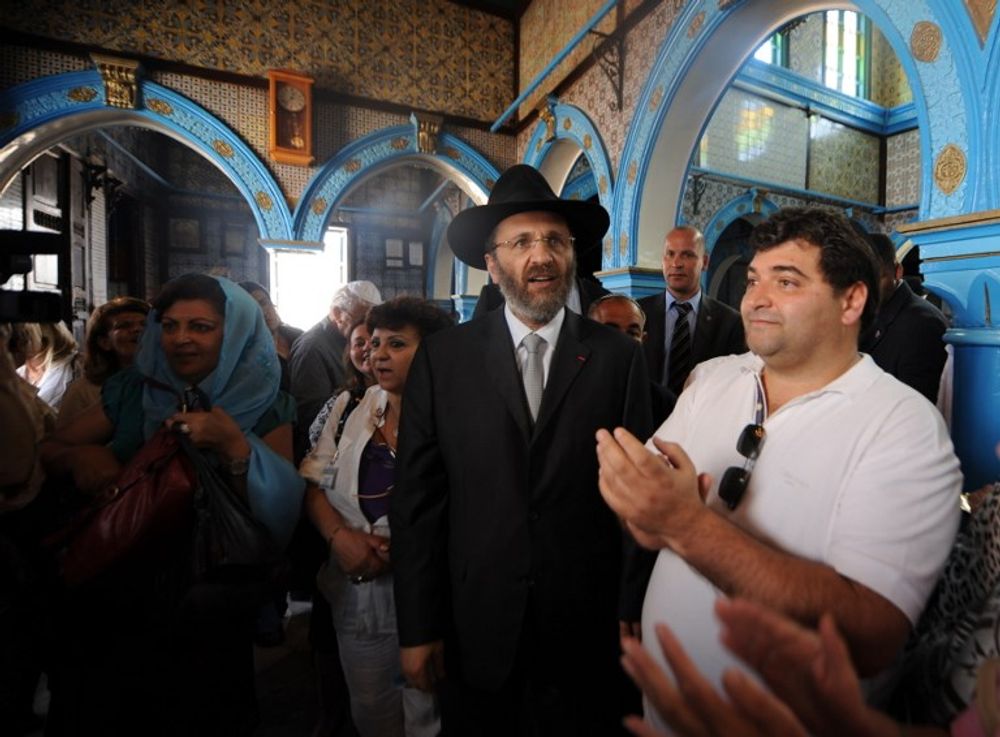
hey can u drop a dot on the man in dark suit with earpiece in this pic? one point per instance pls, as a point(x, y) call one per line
point(685, 326)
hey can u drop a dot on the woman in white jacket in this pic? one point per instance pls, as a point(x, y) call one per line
point(347, 498)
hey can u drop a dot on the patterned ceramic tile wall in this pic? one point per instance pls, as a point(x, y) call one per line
point(902, 170)
point(546, 27)
point(592, 93)
point(843, 161)
point(756, 138)
point(805, 48)
point(370, 261)
point(19, 64)
point(889, 86)
point(434, 55)
point(719, 193)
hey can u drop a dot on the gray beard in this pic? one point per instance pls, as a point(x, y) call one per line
point(537, 309)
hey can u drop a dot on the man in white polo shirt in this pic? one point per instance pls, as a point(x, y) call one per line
point(800, 474)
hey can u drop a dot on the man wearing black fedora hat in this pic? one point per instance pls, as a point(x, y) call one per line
point(508, 564)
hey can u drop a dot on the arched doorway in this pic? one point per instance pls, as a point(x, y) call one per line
point(449, 170)
point(705, 47)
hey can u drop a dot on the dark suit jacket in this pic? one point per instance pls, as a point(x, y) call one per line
point(316, 367)
point(490, 297)
point(497, 524)
point(718, 332)
point(906, 341)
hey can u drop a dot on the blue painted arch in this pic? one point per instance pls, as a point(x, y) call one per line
point(380, 150)
point(706, 46)
point(47, 110)
point(746, 205)
point(573, 126)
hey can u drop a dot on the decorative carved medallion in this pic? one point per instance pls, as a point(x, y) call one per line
point(319, 206)
point(222, 148)
point(633, 170)
point(159, 106)
point(399, 143)
point(264, 201)
point(352, 166)
point(982, 12)
point(567, 124)
point(587, 141)
point(8, 120)
point(607, 249)
point(723, 4)
point(949, 168)
point(451, 153)
point(490, 183)
point(82, 94)
point(546, 115)
point(656, 98)
point(696, 24)
point(538, 146)
point(602, 184)
point(925, 41)
point(121, 80)
point(623, 246)
point(427, 128)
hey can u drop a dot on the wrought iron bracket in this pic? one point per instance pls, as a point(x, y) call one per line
point(609, 53)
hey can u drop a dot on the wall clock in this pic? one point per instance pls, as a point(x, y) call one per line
point(290, 117)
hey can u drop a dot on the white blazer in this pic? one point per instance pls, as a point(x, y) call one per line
point(367, 608)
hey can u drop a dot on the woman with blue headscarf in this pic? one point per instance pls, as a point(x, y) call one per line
point(206, 366)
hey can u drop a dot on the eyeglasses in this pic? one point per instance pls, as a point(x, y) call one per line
point(735, 480)
point(523, 243)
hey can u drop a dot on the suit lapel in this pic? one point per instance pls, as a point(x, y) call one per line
point(704, 324)
point(655, 339)
point(501, 366)
point(888, 314)
point(570, 356)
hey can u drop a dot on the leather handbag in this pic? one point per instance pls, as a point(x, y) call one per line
point(151, 504)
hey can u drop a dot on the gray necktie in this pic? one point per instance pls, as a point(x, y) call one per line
point(533, 373)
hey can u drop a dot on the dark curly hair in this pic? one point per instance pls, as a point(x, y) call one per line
point(845, 256)
point(99, 363)
point(399, 312)
point(190, 286)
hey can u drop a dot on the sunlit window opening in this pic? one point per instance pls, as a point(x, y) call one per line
point(753, 129)
point(845, 56)
point(302, 282)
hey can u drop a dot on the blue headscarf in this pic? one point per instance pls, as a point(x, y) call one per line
point(244, 383)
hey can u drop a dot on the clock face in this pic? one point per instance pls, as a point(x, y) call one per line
point(291, 98)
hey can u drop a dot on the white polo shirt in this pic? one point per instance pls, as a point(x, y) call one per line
point(860, 475)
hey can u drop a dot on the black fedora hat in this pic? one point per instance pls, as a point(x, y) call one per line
point(521, 188)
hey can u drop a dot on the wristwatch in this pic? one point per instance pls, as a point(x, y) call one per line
point(237, 466)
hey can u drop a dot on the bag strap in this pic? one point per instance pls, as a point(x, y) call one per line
point(352, 403)
point(191, 398)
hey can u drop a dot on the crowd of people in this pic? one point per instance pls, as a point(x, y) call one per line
point(496, 521)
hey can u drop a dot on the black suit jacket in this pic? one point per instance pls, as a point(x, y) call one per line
point(718, 332)
point(498, 524)
point(906, 340)
point(490, 297)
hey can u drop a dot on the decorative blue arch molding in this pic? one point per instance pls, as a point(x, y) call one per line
point(706, 46)
point(38, 114)
point(388, 147)
point(582, 188)
point(572, 124)
point(746, 205)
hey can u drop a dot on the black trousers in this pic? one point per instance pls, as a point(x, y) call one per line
point(545, 695)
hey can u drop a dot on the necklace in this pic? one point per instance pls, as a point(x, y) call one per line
point(381, 418)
